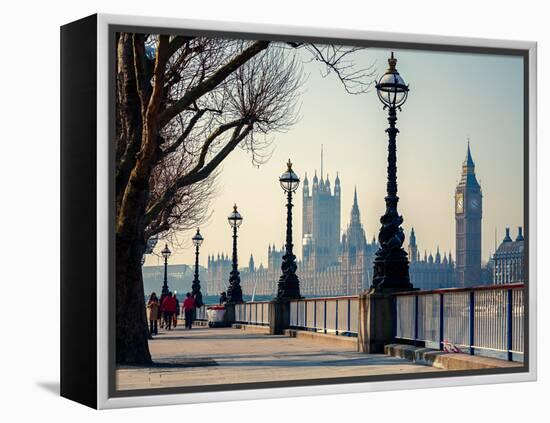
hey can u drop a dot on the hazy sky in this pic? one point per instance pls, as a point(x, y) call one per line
point(453, 96)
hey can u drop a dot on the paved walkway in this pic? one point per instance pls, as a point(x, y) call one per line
point(205, 356)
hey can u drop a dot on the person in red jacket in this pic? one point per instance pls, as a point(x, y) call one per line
point(189, 309)
point(168, 308)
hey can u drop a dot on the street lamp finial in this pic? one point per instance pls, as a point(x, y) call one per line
point(392, 62)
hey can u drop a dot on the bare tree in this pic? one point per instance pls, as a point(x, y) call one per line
point(183, 105)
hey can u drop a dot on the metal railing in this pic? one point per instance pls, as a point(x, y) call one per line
point(486, 320)
point(256, 313)
point(337, 315)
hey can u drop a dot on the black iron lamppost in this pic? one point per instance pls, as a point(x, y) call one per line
point(165, 253)
point(289, 284)
point(234, 291)
point(391, 265)
point(196, 286)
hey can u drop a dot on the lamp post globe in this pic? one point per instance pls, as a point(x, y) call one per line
point(391, 88)
point(234, 291)
point(289, 180)
point(166, 254)
point(288, 287)
point(197, 238)
point(391, 265)
point(196, 285)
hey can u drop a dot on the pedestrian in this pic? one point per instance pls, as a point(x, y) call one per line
point(189, 309)
point(153, 313)
point(163, 295)
point(223, 298)
point(168, 308)
point(177, 313)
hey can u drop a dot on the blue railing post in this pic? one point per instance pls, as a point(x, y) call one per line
point(416, 320)
point(509, 321)
point(472, 324)
point(315, 315)
point(441, 321)
point(325, 318)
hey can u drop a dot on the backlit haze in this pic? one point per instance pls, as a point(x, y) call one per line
point(453, 97)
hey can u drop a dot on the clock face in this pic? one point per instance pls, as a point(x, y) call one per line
point(460, 203)
point(474, 204)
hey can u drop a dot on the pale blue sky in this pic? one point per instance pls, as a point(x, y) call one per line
point(453, 96)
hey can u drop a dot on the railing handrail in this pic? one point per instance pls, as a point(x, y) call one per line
point(341, 297)
point(502, 287)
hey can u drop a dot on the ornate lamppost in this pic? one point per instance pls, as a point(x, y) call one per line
point(391, 265)
point(166, 254)
point(196, 286)
point(289, 284)
point(234, 291)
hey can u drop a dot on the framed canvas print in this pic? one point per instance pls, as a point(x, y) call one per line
point(254, 211)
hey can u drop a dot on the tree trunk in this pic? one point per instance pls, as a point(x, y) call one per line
point(131, 321)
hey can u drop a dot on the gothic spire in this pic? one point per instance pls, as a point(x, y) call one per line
point(507, 236)
point(355, 214)
point(337, 185)
point(305, 187)
point(468, 178)
point(468, 161)
point(412, 238)
point(520, 234)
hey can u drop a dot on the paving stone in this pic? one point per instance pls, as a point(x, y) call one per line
point(213, 356)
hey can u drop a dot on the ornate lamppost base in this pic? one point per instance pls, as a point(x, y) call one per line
point(391, 274)
point(289, 288)
point(234, 292)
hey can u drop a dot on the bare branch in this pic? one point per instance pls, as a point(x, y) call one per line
point(338, 60)
point(210, 83)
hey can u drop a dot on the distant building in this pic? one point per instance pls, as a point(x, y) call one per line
point(320, 273)
point(468, 213)
point(430, 272)
point(357, 254)
point(335, 263)
point(321, 221)
point(508, 260)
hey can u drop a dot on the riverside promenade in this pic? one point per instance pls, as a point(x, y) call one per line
point(219, 356)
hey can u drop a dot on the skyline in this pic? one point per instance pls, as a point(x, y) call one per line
point(431, 148)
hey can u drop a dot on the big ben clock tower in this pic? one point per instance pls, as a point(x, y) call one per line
point(468, 213)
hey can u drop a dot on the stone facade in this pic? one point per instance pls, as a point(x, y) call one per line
point(508, 260)
point(468, 214)
point(430, 272)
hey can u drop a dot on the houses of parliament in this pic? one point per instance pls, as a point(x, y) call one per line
point(335, 263)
